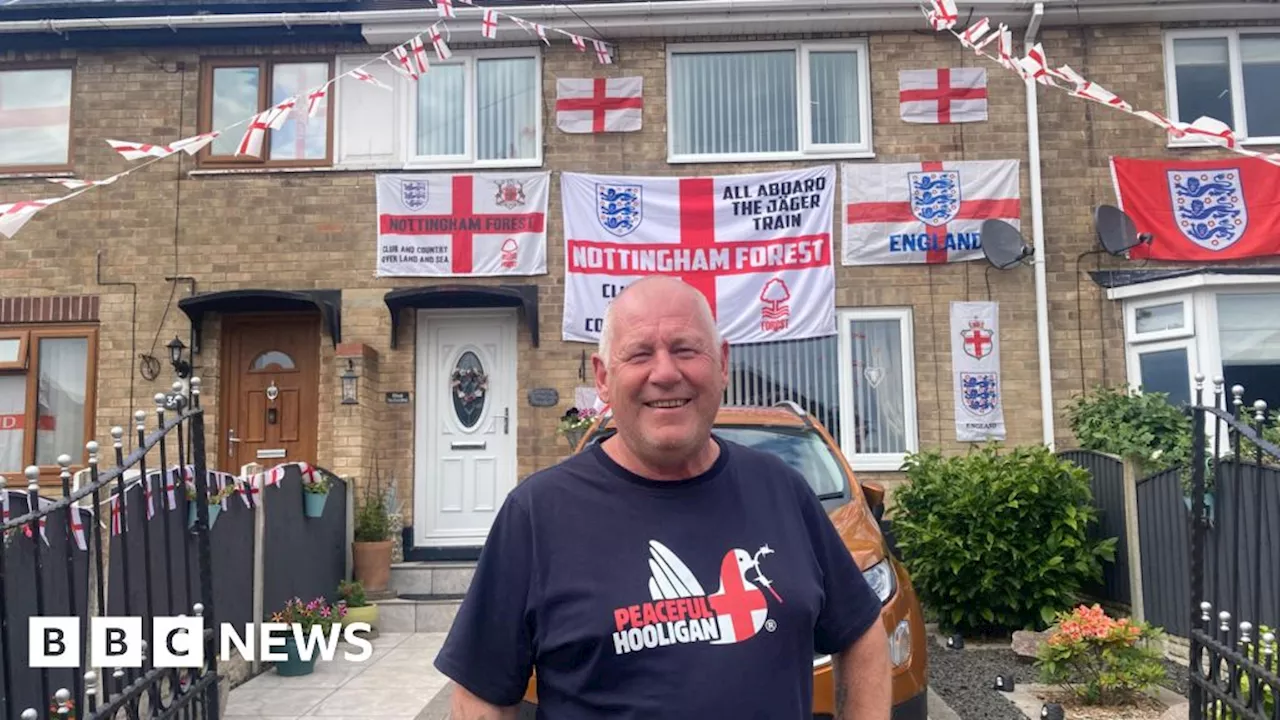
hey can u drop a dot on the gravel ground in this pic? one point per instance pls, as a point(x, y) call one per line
point(965, 678)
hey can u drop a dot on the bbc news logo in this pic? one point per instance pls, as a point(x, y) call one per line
point(178, 642)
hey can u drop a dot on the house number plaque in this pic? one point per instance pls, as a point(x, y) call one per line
point(543, 397)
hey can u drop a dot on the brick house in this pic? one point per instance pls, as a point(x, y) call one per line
point(265, 269)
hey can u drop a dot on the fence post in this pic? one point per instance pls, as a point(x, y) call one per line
point(1132, 539)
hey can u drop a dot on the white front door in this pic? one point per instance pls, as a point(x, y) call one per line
point(466, 425)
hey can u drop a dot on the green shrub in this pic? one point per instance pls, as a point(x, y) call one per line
point(998, 542)
point(1143, 427)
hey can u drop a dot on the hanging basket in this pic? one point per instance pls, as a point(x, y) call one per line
point(313, 503)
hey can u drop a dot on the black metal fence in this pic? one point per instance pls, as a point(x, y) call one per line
point(1235, 561)
point(163, 551)
point(52, 565)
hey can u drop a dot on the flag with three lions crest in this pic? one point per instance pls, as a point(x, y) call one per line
point(1201, 210)
point(975, 364)
point(466, 225)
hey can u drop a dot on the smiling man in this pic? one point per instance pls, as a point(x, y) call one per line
point(665, 572)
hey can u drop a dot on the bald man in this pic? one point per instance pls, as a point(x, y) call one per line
point(666, 572)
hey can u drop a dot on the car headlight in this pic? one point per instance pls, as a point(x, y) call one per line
point(882, 580)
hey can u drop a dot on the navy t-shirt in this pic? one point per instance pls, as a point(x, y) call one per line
point(635, 598)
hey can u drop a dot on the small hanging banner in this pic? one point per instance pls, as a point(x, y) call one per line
point(975, 362)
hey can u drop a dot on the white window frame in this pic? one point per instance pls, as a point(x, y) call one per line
point(808, 150)
point(1131, 320)
point(468, 58)
point(878, 462)
point(1133, 352)
point(1241, 123)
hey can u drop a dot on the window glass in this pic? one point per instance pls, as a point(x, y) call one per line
point(833, 105)
point(741, 102)
point(13, 402)
point(878, 415)
point(1166, 371)
point(805, 451)
point(302, 137)
point(506, 108)
point(806, 372)
point(1203, 76)
point(469, 388)
point(442, 111)
point(9, 349)
point(1154, 318)
point(1249, 338)
point(60, 398)
point(1260, 73)
point(235, 98)
point(35, 117)
point(272, 358)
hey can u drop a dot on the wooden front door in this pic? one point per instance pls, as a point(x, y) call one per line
point(271, 403)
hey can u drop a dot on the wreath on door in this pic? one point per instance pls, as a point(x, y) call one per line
point(469, 384)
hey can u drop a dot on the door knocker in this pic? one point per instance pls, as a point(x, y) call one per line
point(273, 392)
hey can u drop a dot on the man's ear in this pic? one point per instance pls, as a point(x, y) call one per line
point(601, 373)
point(724, 362)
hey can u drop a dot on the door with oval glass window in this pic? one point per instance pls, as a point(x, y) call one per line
point(271, 401)
point(466, 459)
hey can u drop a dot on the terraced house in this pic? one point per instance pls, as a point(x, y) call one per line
point(445, 231)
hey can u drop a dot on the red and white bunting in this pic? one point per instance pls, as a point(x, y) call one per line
point(14, 215)
point(542, 32)
point(944, 14)
point(315, 99)
point(970, 37)
point(419, 53)
point(602, 53)
point(251, 143)
point(402, 66)
point(146, 493)
point(117, 524)
point(170, 487)
point(489, 27)
point(445, 8)
point(4, 506)
point(442, 49)
point(363, 76)
point(137, 151)
point(578, 42)
point(77, 528)
point(77, 184)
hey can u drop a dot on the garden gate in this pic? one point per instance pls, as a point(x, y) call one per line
point(1235, 661)
point(52, 564)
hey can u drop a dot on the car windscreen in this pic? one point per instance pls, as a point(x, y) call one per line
point(803, 450)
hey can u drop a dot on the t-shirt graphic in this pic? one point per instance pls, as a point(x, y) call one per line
point(680, 611)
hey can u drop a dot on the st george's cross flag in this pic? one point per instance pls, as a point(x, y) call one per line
point(1200, 210)
point(929, 212)
point(599, 105)
point(466, 225)
point(943, 96)
point(757, 246)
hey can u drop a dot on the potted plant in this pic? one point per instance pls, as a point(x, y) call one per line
point(214, 500)
point(574, 424)
point(358, 608)
point(315, 492)
point(317, 613)
point(371, 549)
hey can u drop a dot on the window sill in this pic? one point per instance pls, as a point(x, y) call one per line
point(35, 175)
point(770, 157)
point(877, 463)
point(1202, 144)
point(364, 168)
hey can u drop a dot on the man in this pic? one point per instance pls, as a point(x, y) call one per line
point(665, 573)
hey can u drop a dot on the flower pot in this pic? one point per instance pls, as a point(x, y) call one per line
point(313, 503)
point(363, 614)
point(191, 514)
point(294, 665)
point(372, 561)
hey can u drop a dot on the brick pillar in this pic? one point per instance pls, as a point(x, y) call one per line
point(355, 426)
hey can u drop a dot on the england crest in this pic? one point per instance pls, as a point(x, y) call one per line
point(935, 196)
point(413, 193)
point(619, 208)
point(1209, 206)
point(980, 392)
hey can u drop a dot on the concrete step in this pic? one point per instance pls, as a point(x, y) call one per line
point(432, 578)
point(417, 614)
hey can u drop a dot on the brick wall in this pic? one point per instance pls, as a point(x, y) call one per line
point(317, 230)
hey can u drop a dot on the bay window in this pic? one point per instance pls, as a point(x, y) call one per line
point(47, 382)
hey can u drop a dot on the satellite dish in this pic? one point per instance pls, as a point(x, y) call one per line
point(1116, 231)
point(1003, 244)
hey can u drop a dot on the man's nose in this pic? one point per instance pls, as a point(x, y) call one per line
point(665, 369)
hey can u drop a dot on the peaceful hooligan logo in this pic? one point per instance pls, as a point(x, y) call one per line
point(681, 612)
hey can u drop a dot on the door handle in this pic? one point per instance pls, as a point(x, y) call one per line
point(231, 440)
point(506, 421)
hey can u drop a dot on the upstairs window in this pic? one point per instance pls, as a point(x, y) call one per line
point(768, 101)
point(1228, 75)
point(35, 119)
point(235, 90)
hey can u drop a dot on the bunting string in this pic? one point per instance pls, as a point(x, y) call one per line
point(409, 59)
point(943, 15)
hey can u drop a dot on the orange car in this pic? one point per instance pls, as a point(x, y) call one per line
point(803, 442)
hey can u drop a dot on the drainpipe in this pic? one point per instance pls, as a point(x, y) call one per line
point(1037, 229)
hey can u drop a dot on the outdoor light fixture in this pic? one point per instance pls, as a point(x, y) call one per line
point(180, 366)
point(349, 385)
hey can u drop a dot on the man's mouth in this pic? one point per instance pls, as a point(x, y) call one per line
point(667, 404)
